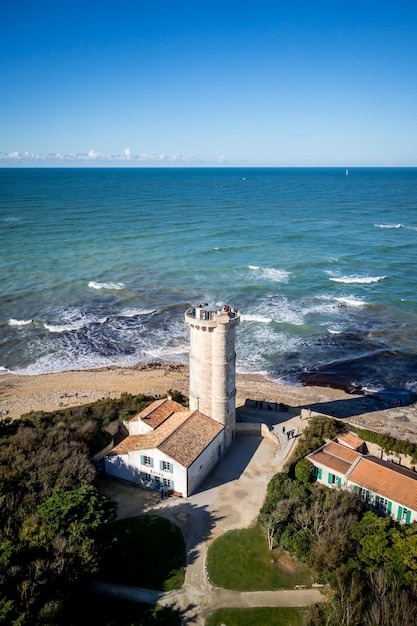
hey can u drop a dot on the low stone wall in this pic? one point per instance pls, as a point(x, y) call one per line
point(255, 428)
point(112, 428)
point(100, 455)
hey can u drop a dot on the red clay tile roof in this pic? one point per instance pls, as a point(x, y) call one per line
point(386, 479)
point(189, 440)
point(157, 412)
point(153, 438)
point(351, 440)
point(183, 436)
point(330, 461)
point(335, 456)
point(340, 451)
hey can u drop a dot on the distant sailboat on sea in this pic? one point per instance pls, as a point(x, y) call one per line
point(347, 172)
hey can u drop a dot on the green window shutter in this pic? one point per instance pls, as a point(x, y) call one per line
point(400, 512)
point(329, 478)
point(339, 481)
point(319, 473)
point(367, 496)
point(408, 517)
point(355, 488)
point(389, 507)
point(376, 500)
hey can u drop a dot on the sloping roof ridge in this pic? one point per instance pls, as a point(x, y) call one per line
point(176, 414)
point(345, 448)
point(355, 464)
point(180, 426)
point(150, 408)
point(149, 411)
point(347, 435)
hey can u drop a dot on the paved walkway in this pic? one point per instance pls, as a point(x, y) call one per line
point(231, 497)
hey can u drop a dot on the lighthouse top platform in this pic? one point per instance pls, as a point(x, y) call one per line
point(212, 313)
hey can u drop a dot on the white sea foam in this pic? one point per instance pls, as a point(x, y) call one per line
point(73, 320)
point(350, 301)
point(94, 285)
point(256, 318)
point(389, 225)
point(132, 312)
point(355, 279)
point(72, 361)
point(14, 322)
point(395, 226)
point(342, 300)
point(61, 328)
point(270, 273)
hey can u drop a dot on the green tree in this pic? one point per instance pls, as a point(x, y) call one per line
point(372, 533)
point(304, 471)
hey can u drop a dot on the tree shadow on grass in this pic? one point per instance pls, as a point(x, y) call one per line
point(194, 519)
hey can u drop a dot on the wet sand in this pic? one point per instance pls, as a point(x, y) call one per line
point(47, 392)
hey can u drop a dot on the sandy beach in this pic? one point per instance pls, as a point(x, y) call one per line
point(21, 394)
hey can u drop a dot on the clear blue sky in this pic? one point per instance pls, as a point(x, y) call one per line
point(280, 83)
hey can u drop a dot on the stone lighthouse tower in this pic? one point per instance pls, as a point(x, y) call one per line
point(213, 364)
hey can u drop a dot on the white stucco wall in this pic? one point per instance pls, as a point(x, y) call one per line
point(130, 467)
point(137, 427)
point(395, 510)
point(202, 466)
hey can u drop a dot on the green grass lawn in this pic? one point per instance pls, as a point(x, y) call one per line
point(241, 560)
point(147, 551)
point(280, 616)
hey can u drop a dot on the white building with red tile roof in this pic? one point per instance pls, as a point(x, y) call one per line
point(169, 447)
point(385, 487)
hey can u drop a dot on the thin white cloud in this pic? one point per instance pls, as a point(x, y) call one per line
point(127, 156)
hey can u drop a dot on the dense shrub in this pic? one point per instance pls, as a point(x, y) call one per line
point(389, 444)
point(51, 516)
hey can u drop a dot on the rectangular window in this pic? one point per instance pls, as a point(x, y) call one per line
point(362, 493)
point(167, 483)
point(406, 515)
point(383, 505)
point(147, 460)
point(166, 466)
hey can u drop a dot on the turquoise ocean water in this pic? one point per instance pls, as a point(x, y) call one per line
point(98, 266)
